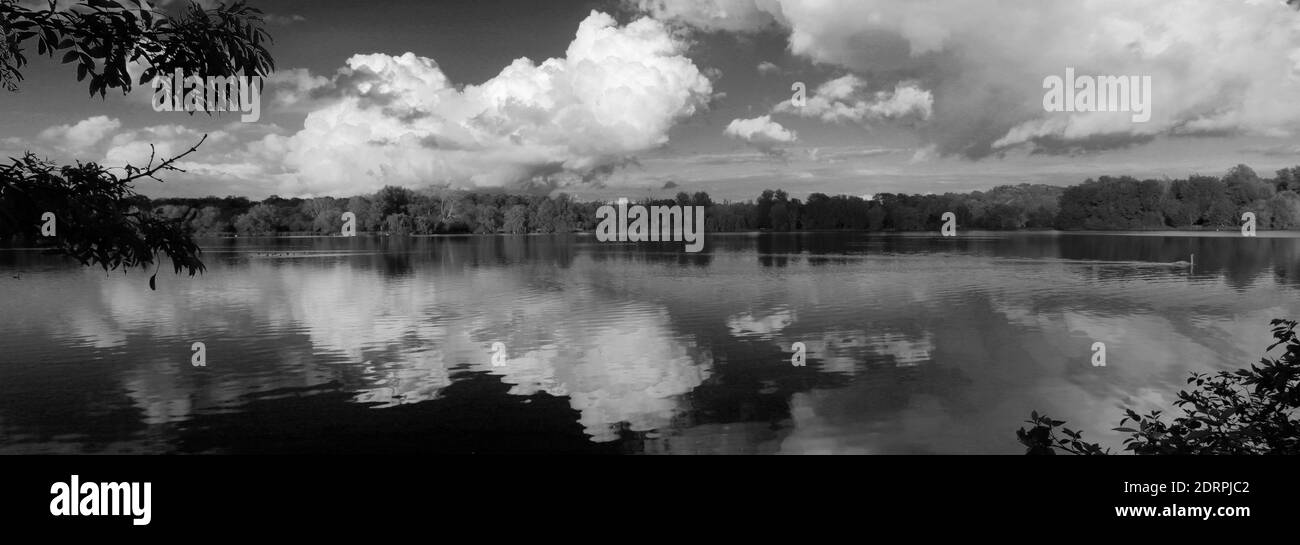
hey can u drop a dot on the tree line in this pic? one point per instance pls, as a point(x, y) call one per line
point(1105, 203)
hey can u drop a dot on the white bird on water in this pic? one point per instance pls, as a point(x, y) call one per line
point(1188, 264)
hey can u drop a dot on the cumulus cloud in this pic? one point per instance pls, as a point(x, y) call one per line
point(82, 135)
point(760, 132)
point(135, 147)
point(715, 15)
point(1218, 67)
point(226, 159)
point(846, 99)
point(767, 67)
point(297, 90)
point(384, 119)
point(400, 120)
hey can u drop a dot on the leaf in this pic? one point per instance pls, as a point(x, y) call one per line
point(152, 285)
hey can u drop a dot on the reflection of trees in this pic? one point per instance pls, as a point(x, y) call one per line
point(1239, 260)
point(651, 253)
point(473, 415)
point(908, 349)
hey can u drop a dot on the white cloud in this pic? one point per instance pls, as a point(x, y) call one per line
point(297, 90)
point(760, 324)
point(134, 147)
point(846, 99)
point(81, 135)
point(399, 120)
point(1218, 67)
point(223, 158)
point(761, 132)
point(724, 15)
point(385, 119)
point(767, 67)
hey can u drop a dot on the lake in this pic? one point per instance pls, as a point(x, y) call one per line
point(915, 343)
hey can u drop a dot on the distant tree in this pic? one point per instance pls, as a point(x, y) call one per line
point(1205, 201)
point(487, 219)
point(209, 222)
point(458, 213)
point(546, 218)
point(1004, 216)
point(566, 217)
point(261, 219)
point(779, 217)
point(516, 220)
point(399, 224)
point(875, 217)
point(361, 207)
point(326, 216)
point(423, 210)
point(390, 200)
point(1244, 188)
point(1288, 179)
point(819, 211)
point(1104, 203)
point(1284, 211)
point(763, 209)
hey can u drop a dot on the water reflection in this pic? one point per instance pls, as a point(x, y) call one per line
point(915, 343)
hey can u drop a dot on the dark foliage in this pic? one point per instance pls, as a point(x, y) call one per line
point(1248, 411)
point(100, 220)
point(103, 36)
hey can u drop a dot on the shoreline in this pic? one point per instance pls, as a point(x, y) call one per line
point(1171, 232)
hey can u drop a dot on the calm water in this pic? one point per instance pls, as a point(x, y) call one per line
point(916, 344)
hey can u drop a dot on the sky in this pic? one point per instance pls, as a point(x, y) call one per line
point(636, 98)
